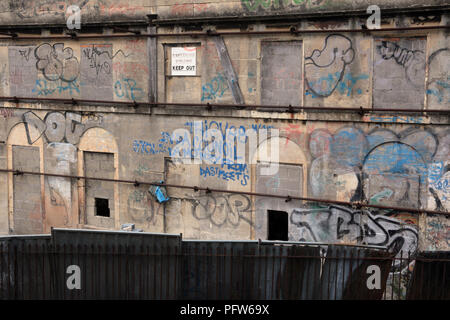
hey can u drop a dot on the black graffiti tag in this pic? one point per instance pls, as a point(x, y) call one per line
point(221, 209)
point(56, 127)
point(57, 62)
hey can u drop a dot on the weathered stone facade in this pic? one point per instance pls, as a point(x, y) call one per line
point(394, 159)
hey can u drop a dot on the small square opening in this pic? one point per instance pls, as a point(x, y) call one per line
point(102, 207)
point(278, 225)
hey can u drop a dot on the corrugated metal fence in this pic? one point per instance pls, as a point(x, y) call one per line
point(128, 265)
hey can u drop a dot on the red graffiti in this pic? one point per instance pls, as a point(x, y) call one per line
point(6, 112)
point(119, 9)
point(130, 68)
point(293, 131)
point(136, 46)
point(188, 9)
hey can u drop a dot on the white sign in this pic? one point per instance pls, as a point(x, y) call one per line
point(184, 61)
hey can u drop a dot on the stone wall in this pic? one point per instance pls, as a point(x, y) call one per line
point(399, 159)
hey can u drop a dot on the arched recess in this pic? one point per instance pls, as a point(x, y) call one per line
point(395, 174)
point(292, 167)
point(97, 140)
point(19, 136)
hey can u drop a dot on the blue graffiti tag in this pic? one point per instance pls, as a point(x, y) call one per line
point(227, 172)
point(44, 87)
point(324, 86)
point(127, 88)
point(163, 146)
point(396, 158)
point(439, 92)
point(236, 135)
point(215, 88)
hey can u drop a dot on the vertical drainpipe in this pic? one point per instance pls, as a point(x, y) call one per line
point(152, 50)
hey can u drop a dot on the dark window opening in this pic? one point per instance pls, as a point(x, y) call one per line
point(278, 225)
point(101, 207)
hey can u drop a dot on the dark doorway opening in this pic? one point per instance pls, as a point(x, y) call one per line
point(278, 225)
point(101, 207)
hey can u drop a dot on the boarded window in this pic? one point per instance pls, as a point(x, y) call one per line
point(99, 194)
point(96, 73)
point(399, 73)
point(281, 69)
point(23, 74)
point(27, 191)
point(287, 181)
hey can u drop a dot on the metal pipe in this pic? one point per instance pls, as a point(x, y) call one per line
point(195, 188)
point(293, 31)
point(287, 242)
point(288, 108)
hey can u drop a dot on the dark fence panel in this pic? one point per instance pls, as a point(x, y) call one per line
point(126, 265)
point(431, 277)
point(25, 270)
point(218, 270)
point(117, 265)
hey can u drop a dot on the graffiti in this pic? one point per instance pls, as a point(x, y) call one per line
point(412, 60)
point(57, 62)
point(342, 224)
point(118, 9)
point(227, 172)
point(136, 46)
point(439, 184)
point(258, 5)
point(141, 170)
point(6, 112)
point(438, 87)
point(227, 133)
point(188, 9)
point(380, 166)
point(60, 188)
point(333, 58)
point(221, 209)
point(215, 88)
point(421, 20)
point(100, 60)
point(166, 144)
point(345, 86)
point(26, 53)
point(130, 67)
point(141, 209)
point(93, 118)
point(45, 88)
point(437, 233)
point(34, 8)
point(126, 88)
point(163, 146)
point(56, 127)
point(396, 119)
point(292, 132)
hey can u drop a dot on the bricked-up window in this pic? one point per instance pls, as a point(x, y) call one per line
point(99, 165)
point(281, 73)
point(102, 207)
point(399, 72)
point(278, 225)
